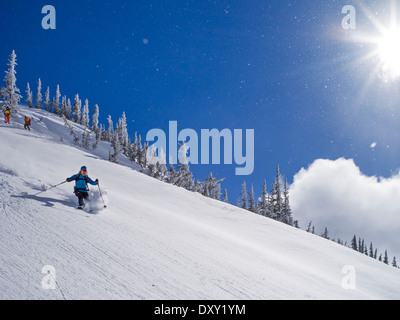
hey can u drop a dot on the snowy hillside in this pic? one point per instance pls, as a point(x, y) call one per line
point(154, 241)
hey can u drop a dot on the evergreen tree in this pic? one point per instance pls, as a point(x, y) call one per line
point(85, 114)
point(95, 118)
point(152, 161)
point(171, 173)
point(386, 258)
point(116, 148)
point(309, 227)
point(264, 207)
point(226, 196)
point(123, 133)
point(184, 177)
point(77, 109)
point(95, 125)
point(39, 95)
point(394, 263)
point(161, 168)
point(56, 104)
point(242, 203)
point(68, 113)
point(212, 187)
point(371, 250)
point(29, 97)
point(276, 197)
point(110, 131)
point(287, 211)
point(63, 111)
point(133, 155)
point(46, 101)
point(9, 94)
point(252, 201)
point(143, 156)
point(325, 234)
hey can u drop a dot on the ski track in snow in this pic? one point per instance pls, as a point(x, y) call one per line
point(154, 241)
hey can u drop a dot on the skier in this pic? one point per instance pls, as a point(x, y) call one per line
point(27, 123)
point(81, 189)
point(7, 114)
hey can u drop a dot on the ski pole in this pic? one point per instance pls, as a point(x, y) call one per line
point(101, 195)
point(50, 188)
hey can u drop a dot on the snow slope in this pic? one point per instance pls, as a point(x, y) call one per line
point(154, 241)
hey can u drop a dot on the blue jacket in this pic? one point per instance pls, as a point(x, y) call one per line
point(81, 182)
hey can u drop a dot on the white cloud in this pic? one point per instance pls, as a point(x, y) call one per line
point(336, 194)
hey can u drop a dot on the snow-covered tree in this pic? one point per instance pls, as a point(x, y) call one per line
point(85, 114)
point(116, 148)
point(29, 97)
point(110, 131)
point(161, 168)
point(56, 103)
point(9, 94)
point(276, 196)
point(171, 173)
point(46, 102)
point(38, 104)
point(77, 109)
point(242, 203)
point(286, 210)
point(63, 109)
point(264, 207)
point(68, 111)
point(95, 118)
point(123, 133)
point(226, 196)
point(95, 125)
point(212, 187)
point(134, 149)
point(184, 177)
point(143, 156)
point(252, 200)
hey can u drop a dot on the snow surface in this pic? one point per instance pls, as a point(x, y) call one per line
point(155, 240)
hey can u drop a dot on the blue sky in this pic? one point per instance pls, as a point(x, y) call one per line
point(283, 68)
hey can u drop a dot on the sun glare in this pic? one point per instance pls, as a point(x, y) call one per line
point(389, 52)
point(385, 42)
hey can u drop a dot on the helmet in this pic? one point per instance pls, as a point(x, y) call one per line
point(84, 168)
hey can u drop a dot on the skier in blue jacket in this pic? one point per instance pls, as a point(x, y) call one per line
point(81, 189)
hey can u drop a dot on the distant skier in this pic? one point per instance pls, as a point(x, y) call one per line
point(7, 115)
point(27, 124)
point(81, 185)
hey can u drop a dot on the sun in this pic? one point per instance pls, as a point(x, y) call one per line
point(389, 52)
point(384, 41)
